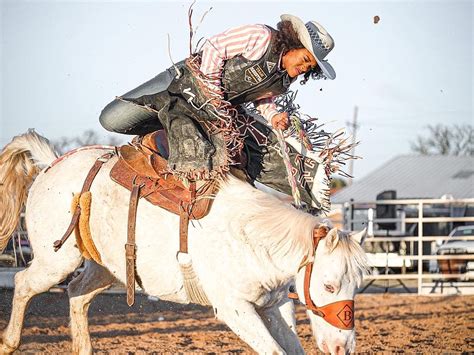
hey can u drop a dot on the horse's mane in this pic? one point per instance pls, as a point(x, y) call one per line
point(265, 221)
point(355, 259)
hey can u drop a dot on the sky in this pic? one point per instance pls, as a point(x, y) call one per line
point(63, 61)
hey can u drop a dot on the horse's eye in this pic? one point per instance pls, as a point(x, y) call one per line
point(329, 288)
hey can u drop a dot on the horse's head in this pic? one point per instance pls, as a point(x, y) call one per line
point(327, 287)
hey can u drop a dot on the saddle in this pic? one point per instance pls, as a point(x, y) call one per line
point(142, 163)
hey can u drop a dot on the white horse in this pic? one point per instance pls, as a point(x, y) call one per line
point(246, 252)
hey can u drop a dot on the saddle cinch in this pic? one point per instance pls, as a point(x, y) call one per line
point(142, 169)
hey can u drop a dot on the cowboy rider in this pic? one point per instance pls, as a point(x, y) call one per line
point(253, 63)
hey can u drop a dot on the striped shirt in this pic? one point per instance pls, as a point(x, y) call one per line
point(251, 42)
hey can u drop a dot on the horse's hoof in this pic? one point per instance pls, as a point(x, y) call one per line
point(5, 349)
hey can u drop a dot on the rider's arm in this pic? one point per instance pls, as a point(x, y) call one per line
point(267, 108)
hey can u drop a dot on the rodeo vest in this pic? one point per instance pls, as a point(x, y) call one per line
point(247, 80)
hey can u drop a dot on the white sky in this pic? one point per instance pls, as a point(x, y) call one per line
point(63, 61)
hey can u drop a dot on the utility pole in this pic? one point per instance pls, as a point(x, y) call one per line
point(354, 127)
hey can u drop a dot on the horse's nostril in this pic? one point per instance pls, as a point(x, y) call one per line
point(329, 288)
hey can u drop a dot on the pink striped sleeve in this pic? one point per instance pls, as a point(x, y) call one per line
point(251, 41)
point(267, 108)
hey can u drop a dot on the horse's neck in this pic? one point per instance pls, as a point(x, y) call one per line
point(280, 236)
point(289, 263)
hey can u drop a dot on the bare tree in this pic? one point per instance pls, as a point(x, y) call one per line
point(446, 140)
point(88, 137)
point(337, 184)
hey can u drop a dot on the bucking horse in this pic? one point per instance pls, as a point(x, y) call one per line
point(246, 252)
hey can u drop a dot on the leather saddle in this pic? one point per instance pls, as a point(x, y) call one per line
point(143, 163)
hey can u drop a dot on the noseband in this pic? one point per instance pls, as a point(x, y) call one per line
point(339, 314)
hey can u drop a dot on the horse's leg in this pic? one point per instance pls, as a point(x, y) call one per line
point(40, 276)
point(94, 279)
point(280, 320)
point(244, 321)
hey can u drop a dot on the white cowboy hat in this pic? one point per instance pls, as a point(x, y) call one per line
point(316, 39)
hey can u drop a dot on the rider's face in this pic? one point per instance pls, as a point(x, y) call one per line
point(298, 61)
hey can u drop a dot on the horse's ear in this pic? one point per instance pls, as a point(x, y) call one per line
point(360, 237)
point(332, 238)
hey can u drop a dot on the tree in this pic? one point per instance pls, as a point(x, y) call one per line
point(88, 137)
point(446, 140)
point(337, 184)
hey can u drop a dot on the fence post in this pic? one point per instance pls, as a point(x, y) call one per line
point(346, 216)
point(403, 225)
point(420, 246)
point(370, 223)
point(351, 226)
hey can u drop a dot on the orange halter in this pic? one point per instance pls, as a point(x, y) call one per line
point(340, 314)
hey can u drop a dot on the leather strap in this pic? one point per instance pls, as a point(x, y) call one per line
point(183, 229)
point(340, 314)
point(85, 187)
point(184, 213)
point(130, 247)
point(307, 280)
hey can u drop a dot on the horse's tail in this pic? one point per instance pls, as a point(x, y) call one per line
point(20, 161)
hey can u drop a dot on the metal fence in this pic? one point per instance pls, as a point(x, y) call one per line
point(411, 264)
point(18, 252)
point(416, 259)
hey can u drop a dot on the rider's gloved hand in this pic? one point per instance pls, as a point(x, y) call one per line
point(280, 121)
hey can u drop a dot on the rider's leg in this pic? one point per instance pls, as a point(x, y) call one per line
point(266, 165)
point(128, 118)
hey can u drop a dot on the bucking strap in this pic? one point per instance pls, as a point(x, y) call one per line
point(85, 187)
point(130, 248)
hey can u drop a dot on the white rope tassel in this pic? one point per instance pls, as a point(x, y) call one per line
point(192, 285)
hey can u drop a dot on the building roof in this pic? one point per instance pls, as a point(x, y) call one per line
point(415, 176)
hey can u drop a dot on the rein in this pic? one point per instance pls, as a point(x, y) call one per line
point(339, 314)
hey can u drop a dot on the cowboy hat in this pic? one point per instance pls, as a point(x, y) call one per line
point(315, 39)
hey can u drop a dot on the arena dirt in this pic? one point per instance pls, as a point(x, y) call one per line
point(390, 323)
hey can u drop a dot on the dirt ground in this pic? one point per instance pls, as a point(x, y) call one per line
point(390, 323)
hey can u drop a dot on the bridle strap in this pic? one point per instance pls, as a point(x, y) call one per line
point(307, 280)
point(339, 314)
